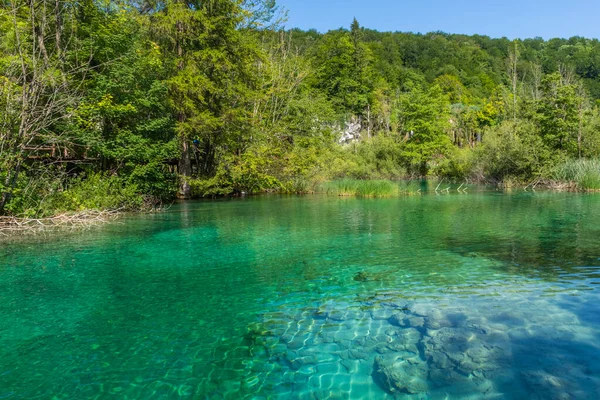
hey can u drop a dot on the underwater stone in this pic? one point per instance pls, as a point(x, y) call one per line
point(354, 315)
point(344, 354)
point(519, 333)
point(381, 314)
point(440, 360)
point(336, 315)
point(361, 277)
point(391, 332)
point(379, 338)
point(358, 354)
point(399, 347)
point(343, 343)
point(352, 366)
point(545, 386)
point(446, 377)
point(437, 322)
point(456, 357)
point(421, 310)
point(396, 375)
point(416, 322)
point(290, 355)
point(398, 319)
point(484, 385)
point(296, 344)
point(479, 354)
point(277, 350)
point(466, 367)
point(409, 335)
point(327, 339)
point(261, 367)
point(382, 348)
point(345, 335)
point(509, 319)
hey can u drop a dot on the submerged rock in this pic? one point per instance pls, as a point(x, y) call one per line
point(396, 374)
point(361, 277)
point(545, 386)
point(399, 319)
point(381, 314)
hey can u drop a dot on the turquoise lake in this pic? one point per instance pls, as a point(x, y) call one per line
point(484, 295)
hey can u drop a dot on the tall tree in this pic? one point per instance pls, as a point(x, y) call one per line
point(558, 112)
point(344, 70)
point(423, 119)
point(211, 76)
point(513, 63)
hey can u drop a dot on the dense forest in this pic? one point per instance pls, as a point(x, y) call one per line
point(117, 104)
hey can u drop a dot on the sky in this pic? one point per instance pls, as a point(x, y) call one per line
point(506, 18)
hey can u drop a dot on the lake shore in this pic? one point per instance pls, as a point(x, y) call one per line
point(21, 227)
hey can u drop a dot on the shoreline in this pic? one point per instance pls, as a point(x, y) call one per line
point(17, 227)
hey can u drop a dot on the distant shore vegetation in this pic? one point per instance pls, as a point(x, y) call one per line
point(127, 105)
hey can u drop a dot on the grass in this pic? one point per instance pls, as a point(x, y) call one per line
point(585, 173)
point(362, 188)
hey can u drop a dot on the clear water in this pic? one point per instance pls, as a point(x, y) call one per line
point(474, 296)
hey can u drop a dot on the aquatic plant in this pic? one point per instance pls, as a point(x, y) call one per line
point(362, 188)
point(585, 173)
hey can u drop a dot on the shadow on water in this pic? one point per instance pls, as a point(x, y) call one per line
point(554, 368)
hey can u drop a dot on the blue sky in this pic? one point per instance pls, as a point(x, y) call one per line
point(510, 18)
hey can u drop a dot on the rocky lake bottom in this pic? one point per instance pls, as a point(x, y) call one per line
point(483, 296)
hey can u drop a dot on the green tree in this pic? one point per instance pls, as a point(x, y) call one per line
point(558, 114)
point(423, 118)
point(210, 65)
point(344, 71)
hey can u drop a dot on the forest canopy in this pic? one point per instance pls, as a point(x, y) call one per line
point(118, 104)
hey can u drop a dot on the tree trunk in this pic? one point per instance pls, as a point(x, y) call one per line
point(185, 165)
point(369, 121)
point(185, 170)
point(580, 131)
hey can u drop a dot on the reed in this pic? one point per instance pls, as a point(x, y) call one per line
point(585, 173)
point(362, 188)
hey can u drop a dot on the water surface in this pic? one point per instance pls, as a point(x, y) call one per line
point(454, 296)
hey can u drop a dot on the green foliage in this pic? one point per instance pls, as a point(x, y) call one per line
point(55, 193)
point(558, 114)
point(97, 192)
point(217, 185)
point(361, 188)
point(212, 97)
point(513, 150)
point(458, 164)
point(344, 70)
point(27, 195)
point(590, 141)
point(253, 171)
point(423, 116)
point(585, 173)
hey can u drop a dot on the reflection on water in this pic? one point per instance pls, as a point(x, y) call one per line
point(428, 297)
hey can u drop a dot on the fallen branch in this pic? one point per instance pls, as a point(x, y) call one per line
point(84, 219)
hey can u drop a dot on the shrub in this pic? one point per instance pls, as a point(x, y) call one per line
point(96, 191)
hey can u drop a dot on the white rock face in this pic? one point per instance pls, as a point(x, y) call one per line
point(351, 133)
